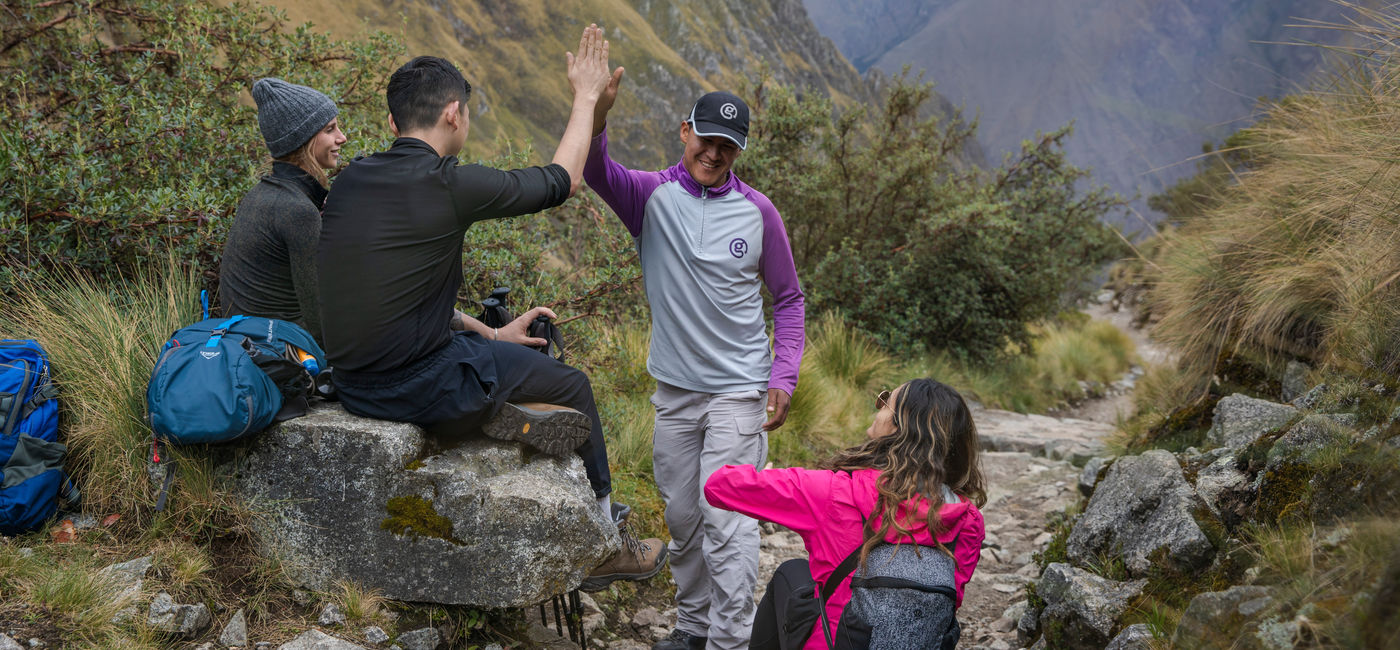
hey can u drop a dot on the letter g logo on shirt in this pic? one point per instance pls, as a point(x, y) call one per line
point(738, 247)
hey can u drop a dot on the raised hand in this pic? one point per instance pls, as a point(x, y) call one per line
point(588, 71)
point(605, 101)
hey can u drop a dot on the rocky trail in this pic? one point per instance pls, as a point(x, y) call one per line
point(1032, 465)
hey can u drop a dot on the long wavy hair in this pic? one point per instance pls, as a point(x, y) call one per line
point(934, 443)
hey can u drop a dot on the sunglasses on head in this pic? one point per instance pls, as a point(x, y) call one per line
point(882, 400)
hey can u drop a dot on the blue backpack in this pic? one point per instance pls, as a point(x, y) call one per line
point(224, 378)
point(31, 458)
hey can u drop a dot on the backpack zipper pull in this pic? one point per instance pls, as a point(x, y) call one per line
point(155, 450)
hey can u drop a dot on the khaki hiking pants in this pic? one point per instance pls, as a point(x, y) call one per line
point(713, 552)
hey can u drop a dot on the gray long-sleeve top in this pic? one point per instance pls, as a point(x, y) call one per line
point(269, 263)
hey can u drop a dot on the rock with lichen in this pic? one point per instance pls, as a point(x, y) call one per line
point(1141, 512)
point(484, 523)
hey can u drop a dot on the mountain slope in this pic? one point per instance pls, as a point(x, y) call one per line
point(1145, 81)
point(513, 54)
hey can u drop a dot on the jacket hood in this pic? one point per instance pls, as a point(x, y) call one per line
point(954, 516)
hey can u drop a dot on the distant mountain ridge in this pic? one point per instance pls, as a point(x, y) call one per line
point(513, 54)
point(1145, 81)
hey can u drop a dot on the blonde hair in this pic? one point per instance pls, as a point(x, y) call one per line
point(301, 158)
point(934, 444)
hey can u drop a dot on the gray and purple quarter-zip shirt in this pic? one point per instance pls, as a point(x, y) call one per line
point(704, 251)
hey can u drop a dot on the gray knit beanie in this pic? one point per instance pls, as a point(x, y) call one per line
point(289, 115)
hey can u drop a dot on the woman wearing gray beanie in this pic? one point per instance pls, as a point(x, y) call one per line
point(269, 262)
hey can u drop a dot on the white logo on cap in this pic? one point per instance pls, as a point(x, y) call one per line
point(729, 111)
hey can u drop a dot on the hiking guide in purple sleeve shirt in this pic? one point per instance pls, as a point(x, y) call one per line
point(707, 242)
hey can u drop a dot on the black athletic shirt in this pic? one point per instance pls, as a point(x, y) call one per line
point(390, 259)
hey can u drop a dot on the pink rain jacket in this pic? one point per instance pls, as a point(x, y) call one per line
point(825, 508)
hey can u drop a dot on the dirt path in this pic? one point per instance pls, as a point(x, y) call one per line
point(1030, 475)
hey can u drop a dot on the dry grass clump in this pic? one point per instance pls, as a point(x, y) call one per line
point(103, 341)
point(1301, 256)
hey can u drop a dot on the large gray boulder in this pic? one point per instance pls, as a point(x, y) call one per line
point(1240, 420)
point(1216, 619)
point(1141, 507)
point(1082, 609)
point(487, 524)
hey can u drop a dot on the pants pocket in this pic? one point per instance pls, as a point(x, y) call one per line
point(753, 438)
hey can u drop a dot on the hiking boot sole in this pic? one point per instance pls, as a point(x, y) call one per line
point(599, 583)
point(557, 432)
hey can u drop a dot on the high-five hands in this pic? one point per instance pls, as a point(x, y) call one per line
point(588, 71)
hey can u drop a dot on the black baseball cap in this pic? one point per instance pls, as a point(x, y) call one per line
point(721, 114)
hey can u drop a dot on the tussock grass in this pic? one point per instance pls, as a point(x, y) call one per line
point(67, 584)
point(1299, 258)
point(359, 603)
point(1338, 583)
point(103, 341)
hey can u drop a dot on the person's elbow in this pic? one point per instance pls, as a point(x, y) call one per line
point(574, 185)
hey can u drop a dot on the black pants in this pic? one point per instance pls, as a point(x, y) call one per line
point(768, 621)
point(453, 391)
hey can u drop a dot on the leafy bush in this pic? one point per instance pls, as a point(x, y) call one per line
point(909, 242)
point(129, 129)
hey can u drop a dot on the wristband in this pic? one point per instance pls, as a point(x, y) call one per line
point(495, 334)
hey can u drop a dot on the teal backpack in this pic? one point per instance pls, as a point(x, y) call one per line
point(224, 378)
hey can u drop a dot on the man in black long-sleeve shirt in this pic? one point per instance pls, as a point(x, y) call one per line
point(390, 266)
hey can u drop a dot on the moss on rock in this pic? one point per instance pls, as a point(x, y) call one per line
point(415, 517)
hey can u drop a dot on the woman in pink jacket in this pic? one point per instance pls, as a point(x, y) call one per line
point(916, 479)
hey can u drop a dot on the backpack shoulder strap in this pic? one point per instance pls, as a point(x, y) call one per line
point(843, 570)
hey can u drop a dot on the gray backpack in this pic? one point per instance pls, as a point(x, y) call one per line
point(904, 599)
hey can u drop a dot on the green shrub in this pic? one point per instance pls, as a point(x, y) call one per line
point(911, 244)
point(129, 130)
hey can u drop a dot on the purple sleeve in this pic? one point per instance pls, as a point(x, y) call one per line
point(789, 305)
point(625, 190)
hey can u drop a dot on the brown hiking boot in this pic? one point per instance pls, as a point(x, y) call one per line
point(554, 430)
point(637, 560)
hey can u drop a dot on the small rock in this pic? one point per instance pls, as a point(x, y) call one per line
point(26, 552)
point(185, 620)
point(1028, 627)
point(6, 643)
point(128, 577)
point(999, 644)
point(315, 640)
point(1240, 420)
point(1004, 625)
point(1043, 539)
point(648, 617)
point(301, 597)
point(1295, 380)
point(1133, 637)
point(1093, 471)
point(1215, 618)
point(425, 638)
point(262, 645)
point(205, 646)
point(236, 632)
point(376, 636)
point(1006, 588)
point(37, 643)
point(331, 615)
point(1082, 608)
point(1311, 399)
